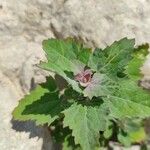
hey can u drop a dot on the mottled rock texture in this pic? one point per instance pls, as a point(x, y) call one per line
point(23, 26)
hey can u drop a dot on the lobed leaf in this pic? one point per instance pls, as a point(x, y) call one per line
point(101, 85)
point(85, 122)
point(129, 101)
point(133, 69)
point(43, 105)
point(65, 56)
point(114, 58)
point(112, 88)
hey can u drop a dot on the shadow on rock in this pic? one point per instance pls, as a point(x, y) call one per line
point(27, 126)
point(34, 131)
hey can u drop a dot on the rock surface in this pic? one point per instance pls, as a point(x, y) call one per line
point(23, 26)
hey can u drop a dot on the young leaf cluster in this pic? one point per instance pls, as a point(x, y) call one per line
point(101, 88)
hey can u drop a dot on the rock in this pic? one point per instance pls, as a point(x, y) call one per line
point(20, 51)
point(18, 135)
point(100, 22)
point(23, 26)
point(115, 146)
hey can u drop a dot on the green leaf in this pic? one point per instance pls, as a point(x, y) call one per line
point(65, 56)
point(109, 92)
point(129, 101)
point(81, 52)
point(109, 130)
point(135, 130)
point(65, 53)
point(69, 144)
point(53, 67)
point(101, 85)
point(85, 123)
point(137, 136)
point(42, 105)
point(132, 131)
point(133, 69)
point(124, 138)
point(60, 53)
point(114, 58)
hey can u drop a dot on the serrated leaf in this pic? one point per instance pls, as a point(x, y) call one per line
point(101, 85)
point(111, 87)
point(65, 56)
point(133, 69)
point(59, 52)
point(129, 101)
point(85, 122)
point(42, 105)
point(53, 67)
point(81, 52)
point(114, 58)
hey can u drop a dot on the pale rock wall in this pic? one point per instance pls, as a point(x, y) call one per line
point(23, 26)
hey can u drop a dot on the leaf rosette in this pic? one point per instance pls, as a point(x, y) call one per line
point(102, 85)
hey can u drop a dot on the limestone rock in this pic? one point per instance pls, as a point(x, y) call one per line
point(23, 26)
point(100, 22)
